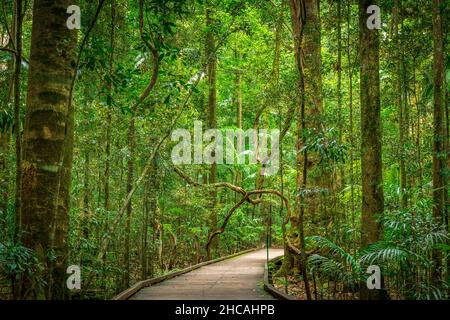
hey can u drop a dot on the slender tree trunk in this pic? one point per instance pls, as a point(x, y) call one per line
point(352, 138)
point(418, 129)
point(45, 143)
point(109, 111)
point(399, 69)
point(86, 196)
point(341, 181)
point(299, 15)
point(4, 178)
point(447, 182)
point(438, 134)
point(239, 97)
point(447, 177)
point(239, 119)
point(130, 174)
point(151, 203)
point(5, 140)
point(339, 69)
point(212, 118)
point(288, 260)
point(144, 259)
point(17, 124)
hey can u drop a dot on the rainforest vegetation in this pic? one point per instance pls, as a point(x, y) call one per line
point(87, 176)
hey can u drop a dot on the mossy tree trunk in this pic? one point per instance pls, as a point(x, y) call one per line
point(372, 188)
point(371, 162)
point(47, 147)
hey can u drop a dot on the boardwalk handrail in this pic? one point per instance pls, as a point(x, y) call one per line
point(125, 295)
point(270, 288)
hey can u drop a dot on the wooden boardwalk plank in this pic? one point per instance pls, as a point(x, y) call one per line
point(238, 278)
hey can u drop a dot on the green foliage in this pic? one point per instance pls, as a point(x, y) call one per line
point(404, 256)
point(17, 262)
point(326, 145)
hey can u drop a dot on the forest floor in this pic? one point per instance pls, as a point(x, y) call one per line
point(321, 289)
point(238, 278)
point(296, 287)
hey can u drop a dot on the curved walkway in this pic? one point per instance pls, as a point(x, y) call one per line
point(238, 278)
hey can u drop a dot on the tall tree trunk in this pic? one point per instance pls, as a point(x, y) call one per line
point(130, 174)
point(86, 196)
point(338, 178)
point(239, 116)
point(17, 125)
point(107, 203)
point(288, 260)
point(399, 70)
point(418, 128)
point(145, 225)
point(239, 98)
point(4, 178)
point(351, 120)
point(212, 118)
point(61, 224)
point(341, 181)
point(371, 162)
point(438, 133)
point(372, 188)
point(319, 178)
point(151, 203)
point(5, 140)
point(110, 107)
point(447, 182)
point(45, 142)
point(299, 16)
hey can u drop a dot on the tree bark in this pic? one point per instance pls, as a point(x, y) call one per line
point(151, 203)
point(5, 140)
point(212, 118)
point(239, 114)
point(438, 134)
point(18, 6)
point(399, 70)
point(371, 162)
point(61, 224)
point(351, 120)
point(144, 254)
point(319, 178)
point(45, 141)
point(86, 196)
point(341, 181)
point(130, 174)
point(300, 16)
point(372, 188)
point(110, 107)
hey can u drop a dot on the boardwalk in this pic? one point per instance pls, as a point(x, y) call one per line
point(239, 278)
